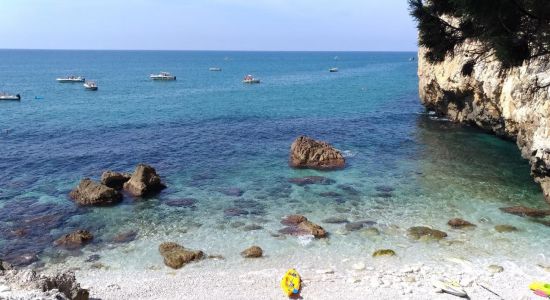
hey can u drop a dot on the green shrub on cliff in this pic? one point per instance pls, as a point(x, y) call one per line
point(514, 30)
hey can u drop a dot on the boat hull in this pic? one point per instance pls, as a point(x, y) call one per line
point(163, 78)
point(62, 80)
point(251, 81)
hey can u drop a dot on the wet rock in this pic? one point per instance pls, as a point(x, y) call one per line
point(216, 256)
point(237, 224)
point(495, 269)
point(306, 152)
point(176, 256)
point(234, 212)
point(89, 192)
point(185, 202)
point(383, 252)
point(425, 233)
point(115, 180)
point(252, 252)
point(335, 220)
point(293, 220)
point(93, 258)
point(300, 225)
point(458, 223)
point(144, 181)
point(505, 228)
point(125, 237)
point(354, 226)
point(301, 181)
point(74, 240)
point(523, 211)
point(234, 192)
point(252, 227)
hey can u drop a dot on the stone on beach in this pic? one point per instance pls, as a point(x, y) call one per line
point(89, 192)
point(523, 211)
point(335, 220)
point(425, 233)
point(306, 152)
point(495, 269)
point(300, 225)
point(115, 180)
point(75, 239)
point(252, 252)
point(144, 181)
point(459, 223)
point(176, 256)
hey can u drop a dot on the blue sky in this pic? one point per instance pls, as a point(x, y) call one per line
point(352, 25)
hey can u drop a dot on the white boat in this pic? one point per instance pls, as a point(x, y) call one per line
point(71, 78)
point(333, 70)
point(90, 85)
point(215, 69)
point(6, 96)
point(162, 76)
point(250, 79)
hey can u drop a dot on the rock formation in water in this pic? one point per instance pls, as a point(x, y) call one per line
point(510, 102)
point(306, 152)
point(89, 192)
point(176, 256)
point(115, 180)
point(144, 181)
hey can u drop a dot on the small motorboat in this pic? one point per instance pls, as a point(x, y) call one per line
point(215, 69)
point(333, 70)
point(412, 59)
point(71, 79)
point(162, 76)
point(250, 79)
point(90, 85)
point(6, 96)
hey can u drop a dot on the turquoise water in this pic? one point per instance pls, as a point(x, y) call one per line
point(207, 132)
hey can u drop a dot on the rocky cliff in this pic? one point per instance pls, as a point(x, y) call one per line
point(473, 87)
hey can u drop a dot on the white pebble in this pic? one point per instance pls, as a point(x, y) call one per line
point(359, 266)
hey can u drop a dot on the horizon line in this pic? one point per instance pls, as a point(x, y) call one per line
point(201, 50)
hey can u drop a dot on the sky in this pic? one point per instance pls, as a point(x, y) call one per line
point(285, 25)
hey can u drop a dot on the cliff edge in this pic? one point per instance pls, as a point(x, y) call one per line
point(473, 87)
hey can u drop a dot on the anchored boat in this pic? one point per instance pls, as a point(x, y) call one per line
point(333, 70)
point(250, 79)
point(71, 79)
point(162, 76)
point(215, 69)
point(90, 85)
point(6, 96)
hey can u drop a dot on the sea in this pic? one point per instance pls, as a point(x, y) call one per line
point(222, 149)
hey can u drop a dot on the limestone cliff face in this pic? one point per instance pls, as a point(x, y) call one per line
point(513, 103)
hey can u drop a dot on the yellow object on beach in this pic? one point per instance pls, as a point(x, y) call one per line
point(291, 282)
point(540, 286)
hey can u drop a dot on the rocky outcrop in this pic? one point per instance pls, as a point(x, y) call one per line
point(89, 192)
point(300, 225)
point(176, 256)
point(74, 239)
point(144, 181)
point(306, 152)
point(252, 252)
point(115, 180)
point(40, 286)
point(510, 102)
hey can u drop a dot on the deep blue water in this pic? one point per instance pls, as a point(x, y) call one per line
point(207, 131)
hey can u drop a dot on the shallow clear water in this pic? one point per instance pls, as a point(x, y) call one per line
point(207, 132)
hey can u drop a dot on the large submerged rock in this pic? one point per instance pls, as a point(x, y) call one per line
point(510, 102)
point(89, 192)
point(176, 256)
point(523, 211)
point(306, 152)
point(144, 181)
point(425, 233)
point(300, 225)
